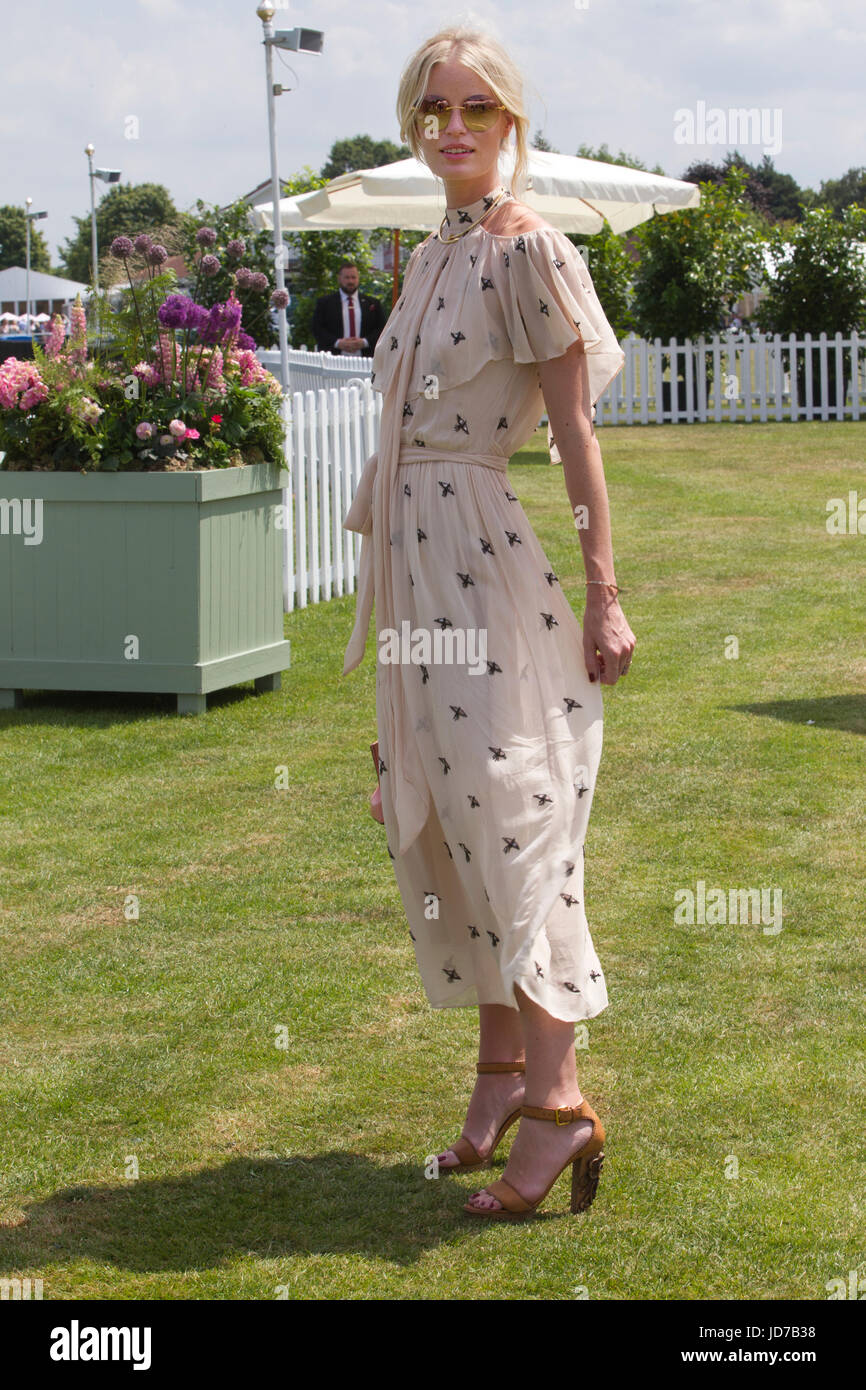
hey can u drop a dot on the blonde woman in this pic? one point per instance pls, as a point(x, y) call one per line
point(489, 709)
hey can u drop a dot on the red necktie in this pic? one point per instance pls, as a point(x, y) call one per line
point(351, 318)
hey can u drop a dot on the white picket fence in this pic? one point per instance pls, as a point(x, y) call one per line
point(737, 377)
point(330, 433)
point(310, 370)
point(333, 415)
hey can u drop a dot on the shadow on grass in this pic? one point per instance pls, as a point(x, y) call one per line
point(102, 708)
point(334, 1202)
point(844, 712)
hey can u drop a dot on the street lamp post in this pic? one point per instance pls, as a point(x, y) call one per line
point(28, 218)
point(27, 202)
point(299, 40)
point(107, 176)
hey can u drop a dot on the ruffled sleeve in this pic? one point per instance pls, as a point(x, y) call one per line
point(549, 302)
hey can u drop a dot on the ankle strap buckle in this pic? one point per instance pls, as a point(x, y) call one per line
point(564, 1110)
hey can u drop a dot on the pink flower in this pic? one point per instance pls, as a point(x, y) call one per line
point(56, 337)
point(177, 428)
point(78, 336)
point(251, 370)
point(147, 373)
point(215, 380)
point(192, 434)
point(21, 386)
point(144, 430)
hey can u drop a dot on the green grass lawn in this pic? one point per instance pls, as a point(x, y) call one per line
point(233, 1095)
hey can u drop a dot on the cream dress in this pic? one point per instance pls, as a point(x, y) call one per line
point(487, 774)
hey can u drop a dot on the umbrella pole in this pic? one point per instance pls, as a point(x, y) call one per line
point(395, 291)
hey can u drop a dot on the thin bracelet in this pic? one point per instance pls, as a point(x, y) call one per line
point(607, 584)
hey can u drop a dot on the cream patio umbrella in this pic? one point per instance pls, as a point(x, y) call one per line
point(571, 193)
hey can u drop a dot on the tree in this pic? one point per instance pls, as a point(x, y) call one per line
point(847, 191)
point(819, 282)
point(125, 210)
point(321, 255)
point(774, 195)
point(695, 264)
point(361, 152)
point(611, 269)
point(629, 161)
point(540, 143)
point(13, 241)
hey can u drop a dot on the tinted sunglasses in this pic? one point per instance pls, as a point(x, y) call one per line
point(480, 114)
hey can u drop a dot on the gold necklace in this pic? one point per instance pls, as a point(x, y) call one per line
point(457, 235)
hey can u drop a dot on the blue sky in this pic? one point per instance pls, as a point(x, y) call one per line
point(186, 80)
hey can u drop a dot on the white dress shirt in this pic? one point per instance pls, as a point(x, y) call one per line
point(345, 299)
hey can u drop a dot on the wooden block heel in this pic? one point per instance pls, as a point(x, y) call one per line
point(585, 1173)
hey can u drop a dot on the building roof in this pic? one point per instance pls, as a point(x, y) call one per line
point(13, 285)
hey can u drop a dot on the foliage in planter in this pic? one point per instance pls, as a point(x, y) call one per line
point(172, 384)
point(232, 227)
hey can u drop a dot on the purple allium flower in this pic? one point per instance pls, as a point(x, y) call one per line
point(157, 254)
point(245, 341)
point(143, 243)
point(236, 248)
point(244, 277)
point(206, 236)
point(259, 282)
point(175, 311)
point(210, 265)
point(196, 316)
point(280, 299)
point(223, 319)
point(121, 247)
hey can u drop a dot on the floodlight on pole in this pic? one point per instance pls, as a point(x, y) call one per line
point(28, 218)
point(298, 41)
point(107, 176)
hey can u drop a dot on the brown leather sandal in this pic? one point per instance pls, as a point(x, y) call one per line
point(463, 1148)
point(585, 1167)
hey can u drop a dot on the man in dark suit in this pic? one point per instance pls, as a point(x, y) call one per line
point(346, 321)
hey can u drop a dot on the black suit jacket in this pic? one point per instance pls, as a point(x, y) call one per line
point(328, 322)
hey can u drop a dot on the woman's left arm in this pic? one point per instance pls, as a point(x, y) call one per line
point(608, 641)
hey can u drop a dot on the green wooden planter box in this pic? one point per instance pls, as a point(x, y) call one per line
point(163, 582)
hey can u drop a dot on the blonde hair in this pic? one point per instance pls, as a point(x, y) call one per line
point(485, 56)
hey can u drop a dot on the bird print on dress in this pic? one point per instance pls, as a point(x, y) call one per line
point(483, 280)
